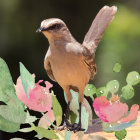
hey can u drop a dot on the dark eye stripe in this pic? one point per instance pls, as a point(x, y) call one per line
point(55, 27)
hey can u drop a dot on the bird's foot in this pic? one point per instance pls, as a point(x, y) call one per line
point(60, 128)
point(75, 128)
point(69, 127)
point(66, 125)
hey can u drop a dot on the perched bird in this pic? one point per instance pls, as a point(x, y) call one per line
point(70, 63)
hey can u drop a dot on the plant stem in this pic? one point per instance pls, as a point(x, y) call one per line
point(52, 124)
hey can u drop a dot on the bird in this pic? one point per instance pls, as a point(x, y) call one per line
point(70, 63)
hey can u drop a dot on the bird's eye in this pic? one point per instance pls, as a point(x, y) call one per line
point(55, 27)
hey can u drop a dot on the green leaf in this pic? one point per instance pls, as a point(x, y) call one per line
point(121, 134)
point(90, 90)
point(113, 86)
point(120, 126)
point(57, 110)
point(133, 78)
point(29, 118)
point(37, 136)
point(27, 79)
point(7, 90)
point(117, 67)
point(128, 92)
point(73, 117)
point(87, 106)
point(50, 134)
point(8, 126)
point(68, 135)
point(25, 130)
point(84, 118)
point(13, 113)
point(106, 125)
point(74, 105)
point(102, 91)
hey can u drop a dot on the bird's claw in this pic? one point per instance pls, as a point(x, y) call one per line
point(75, 127)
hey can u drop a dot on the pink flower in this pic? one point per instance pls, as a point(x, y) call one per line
point(114, 111)
point(39, 97)
point(44, 122)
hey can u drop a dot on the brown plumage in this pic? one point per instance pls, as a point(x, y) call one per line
point(68, 62)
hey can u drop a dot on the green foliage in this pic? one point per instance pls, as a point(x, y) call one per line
point(102, 91)
point(39, 137)
point(49, 134)
point(113, 86)
point(133, 78)
point(7, 90)
point(27, 79)
point(74, 105)
point(88, 110)
point(57, 110)
point(73, 117)
point(121, 134)
point(29, 118)
point(25, 130)
point(90, 90)
point(8, 126)
point(128, 92)
point(14, 113)
point(117, 67)
point(106, 125)
point(119, 127)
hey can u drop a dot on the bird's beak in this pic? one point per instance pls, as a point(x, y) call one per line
point(40, 29)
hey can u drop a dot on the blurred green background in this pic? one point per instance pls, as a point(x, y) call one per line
point(19, 20)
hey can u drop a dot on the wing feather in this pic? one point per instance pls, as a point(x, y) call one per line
point(47, 66)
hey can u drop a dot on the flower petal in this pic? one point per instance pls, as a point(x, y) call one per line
point(97, 104)
point(44, 122)
point(132, 115)
point(48, 85)
point(109, 112)
point(38, 100)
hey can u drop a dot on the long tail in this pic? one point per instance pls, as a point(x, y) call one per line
point(99, 24)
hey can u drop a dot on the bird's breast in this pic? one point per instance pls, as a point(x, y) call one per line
point(68, 68)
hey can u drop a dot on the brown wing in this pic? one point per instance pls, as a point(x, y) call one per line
point(99, 24)
point(90, 63)
point(47, 67)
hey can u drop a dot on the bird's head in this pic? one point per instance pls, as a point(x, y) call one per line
point(53, 28)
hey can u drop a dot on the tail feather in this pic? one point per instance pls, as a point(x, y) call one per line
point(99, 24)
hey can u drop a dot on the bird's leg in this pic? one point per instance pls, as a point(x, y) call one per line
point(66, 122)
point(69, 98)
point(67, 115)
point(77, 127)
point(79, 115)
